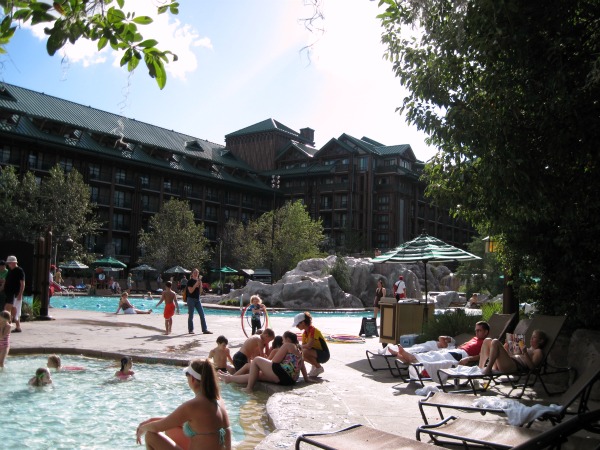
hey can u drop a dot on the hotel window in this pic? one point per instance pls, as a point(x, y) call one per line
point(95, 194)
point(145, 202)
point(211, 213)
point(118, 222)
point(120, 176)
point(167, 185)
point(119, 199)
point(5, 155)
point(363, 163)
point(144, 180)
point(33, 159)
point(187, 189)
point(66, 164)
point(118, 243)
point(94, 171)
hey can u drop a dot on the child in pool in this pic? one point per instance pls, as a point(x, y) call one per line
point(125, 372)
point(220, 355)
point(42, 378)
point(54, 362)
point(258, 309)
point(5, 327)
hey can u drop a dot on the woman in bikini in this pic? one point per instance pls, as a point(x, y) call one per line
point(498, 358)
point(200, 423)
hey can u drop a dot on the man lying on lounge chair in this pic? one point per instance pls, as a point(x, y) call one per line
point(465, 354)
point(429, 346)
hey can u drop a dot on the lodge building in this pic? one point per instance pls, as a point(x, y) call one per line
point(367, 194)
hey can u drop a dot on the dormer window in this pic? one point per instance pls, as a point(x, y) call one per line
point(193, 145)
point(73, 137)
point(8, 120)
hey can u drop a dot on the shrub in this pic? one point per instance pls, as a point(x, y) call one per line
point(489, 309)
point(341, 274)
point(450, 324)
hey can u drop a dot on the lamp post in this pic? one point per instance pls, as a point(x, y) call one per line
point(220, 241)
point(68, 241)
point(275, 183)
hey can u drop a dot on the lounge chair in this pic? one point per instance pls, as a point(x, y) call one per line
point(454, 431)
point(360, 436)
point(556, 436)
point(499, 325)
point(551, 325)
point(579, 390)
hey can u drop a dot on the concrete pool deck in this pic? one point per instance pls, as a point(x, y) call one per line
point(347, 392)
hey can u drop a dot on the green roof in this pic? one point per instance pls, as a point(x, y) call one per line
point(267, 125)
point(183, 149)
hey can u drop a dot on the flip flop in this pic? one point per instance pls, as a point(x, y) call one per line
point(17, 330)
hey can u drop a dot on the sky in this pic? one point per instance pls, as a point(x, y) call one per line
point(240, 62)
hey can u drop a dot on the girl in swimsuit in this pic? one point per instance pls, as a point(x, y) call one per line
point(498, 357)
point(125, 372)
point(5, 326)
point(200, 423)
point(284, 368)
point(128, 308)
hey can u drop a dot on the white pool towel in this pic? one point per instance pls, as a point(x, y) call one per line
point(434, 361)
point(516, 413)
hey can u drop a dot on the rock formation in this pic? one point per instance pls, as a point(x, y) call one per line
point(309, 285)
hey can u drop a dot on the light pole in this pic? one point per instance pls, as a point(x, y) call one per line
point(220, 241)
point(68, 241)
point(275, 182)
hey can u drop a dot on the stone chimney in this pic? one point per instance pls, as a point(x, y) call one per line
point(308, 134)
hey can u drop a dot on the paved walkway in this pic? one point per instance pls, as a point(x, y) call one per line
point(348, 391)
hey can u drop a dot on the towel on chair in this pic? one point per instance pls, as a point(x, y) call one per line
point(517, 414)
point(441, 359)
point(429, 346)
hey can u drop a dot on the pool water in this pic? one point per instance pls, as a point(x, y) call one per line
point(90, 410)
point(110, 304)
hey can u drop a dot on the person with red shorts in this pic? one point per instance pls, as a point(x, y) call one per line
point(170, 299)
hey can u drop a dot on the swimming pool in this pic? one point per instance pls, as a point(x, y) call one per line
point(110, 304)
point(89, 409)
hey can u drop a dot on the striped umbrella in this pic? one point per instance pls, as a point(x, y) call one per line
point(425, 249)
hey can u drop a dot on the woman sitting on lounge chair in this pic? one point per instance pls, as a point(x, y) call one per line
point(498, 358)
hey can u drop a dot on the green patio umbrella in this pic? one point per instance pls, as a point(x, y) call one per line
point(143, 268)
point(227, 269)
point(109, 261)
point(177, 269)
point(425, 248)
point(72, 265)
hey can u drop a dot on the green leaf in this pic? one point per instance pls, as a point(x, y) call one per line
point(148, 43)
point(115, 16)
point(55, 42)
point(126, 57)
point(121, 3)
point(133, 63)
point(143, 20)
point(102, 43)
point(41, 17)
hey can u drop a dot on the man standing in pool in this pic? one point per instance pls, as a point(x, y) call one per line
point(194, 287)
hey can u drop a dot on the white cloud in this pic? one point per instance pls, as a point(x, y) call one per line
point(173, 35)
